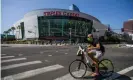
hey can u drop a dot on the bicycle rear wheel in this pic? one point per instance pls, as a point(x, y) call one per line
point(106, 68)
point(77, 69)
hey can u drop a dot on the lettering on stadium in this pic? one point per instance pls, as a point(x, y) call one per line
point(59, 13)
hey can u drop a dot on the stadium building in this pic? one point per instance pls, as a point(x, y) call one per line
point(57, 24)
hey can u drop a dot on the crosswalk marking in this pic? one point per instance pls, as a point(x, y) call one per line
point(126, 70)
point(21, 64)
point(66, 53)
point(69, 77)
point(31, 73)
point(131, 78)
point(20, 54)
point(7, 57)
point(10, 60)
point(49, 55)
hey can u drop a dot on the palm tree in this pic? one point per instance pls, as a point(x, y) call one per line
point(13, 28)
point(6, 33)
point(9, 30)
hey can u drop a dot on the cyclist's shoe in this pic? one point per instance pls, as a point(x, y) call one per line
point(94, 74)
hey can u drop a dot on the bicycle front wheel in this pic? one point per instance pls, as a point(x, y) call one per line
point(77, 69)
point(106, 68)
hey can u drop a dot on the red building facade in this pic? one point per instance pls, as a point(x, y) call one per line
point(128, 26)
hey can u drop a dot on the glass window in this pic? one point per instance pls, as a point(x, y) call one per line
point(59, 26)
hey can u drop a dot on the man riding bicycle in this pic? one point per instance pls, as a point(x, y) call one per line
point(95, 51)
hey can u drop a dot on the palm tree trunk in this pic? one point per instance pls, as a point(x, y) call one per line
point(13, 32)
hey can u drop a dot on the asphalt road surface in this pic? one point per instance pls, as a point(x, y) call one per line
point(51, 62)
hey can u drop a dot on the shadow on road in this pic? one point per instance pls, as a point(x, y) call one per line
point(115, 76)
point(123, 77)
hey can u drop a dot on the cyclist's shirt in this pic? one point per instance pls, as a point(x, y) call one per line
point(95, 42)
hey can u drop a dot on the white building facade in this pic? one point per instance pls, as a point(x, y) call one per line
point(56, 24)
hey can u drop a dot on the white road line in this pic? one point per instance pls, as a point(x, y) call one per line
point(7, 57)
point(20, 54)
point(131, 78)
point(57, 51)
point(41, 52)
point(10, 60)
point(118, 74)
point(46, 61)
point(69, 77)
point(3, 54)
point(32, 73)
point(19, 65)
point(125, 70)
point(49, 55)
point(66, 53)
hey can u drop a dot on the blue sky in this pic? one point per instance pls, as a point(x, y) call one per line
point(113, 12)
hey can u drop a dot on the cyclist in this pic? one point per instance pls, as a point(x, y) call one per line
point(95, 51)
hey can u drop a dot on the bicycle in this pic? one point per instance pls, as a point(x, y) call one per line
point(105, 66)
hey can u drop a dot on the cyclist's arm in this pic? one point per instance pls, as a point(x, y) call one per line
point(97, 46)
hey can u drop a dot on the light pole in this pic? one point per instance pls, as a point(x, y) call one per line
point(70, 34)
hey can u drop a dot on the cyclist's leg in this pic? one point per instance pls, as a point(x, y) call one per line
point(97, 58)
point(92, 54)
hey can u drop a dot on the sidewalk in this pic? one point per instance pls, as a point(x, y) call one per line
point(28, 45)
point(38, 45)
point(129, 45)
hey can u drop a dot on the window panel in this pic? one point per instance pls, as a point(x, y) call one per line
point(56, 24)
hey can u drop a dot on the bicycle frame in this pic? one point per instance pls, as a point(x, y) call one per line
point(84, 55)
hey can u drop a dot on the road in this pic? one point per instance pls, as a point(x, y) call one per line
point(51, 62)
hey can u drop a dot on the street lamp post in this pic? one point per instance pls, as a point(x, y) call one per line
point(70, 34)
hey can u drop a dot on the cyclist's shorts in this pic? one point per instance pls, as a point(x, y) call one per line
point(97, 54)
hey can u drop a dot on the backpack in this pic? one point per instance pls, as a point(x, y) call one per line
point(102, 48)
